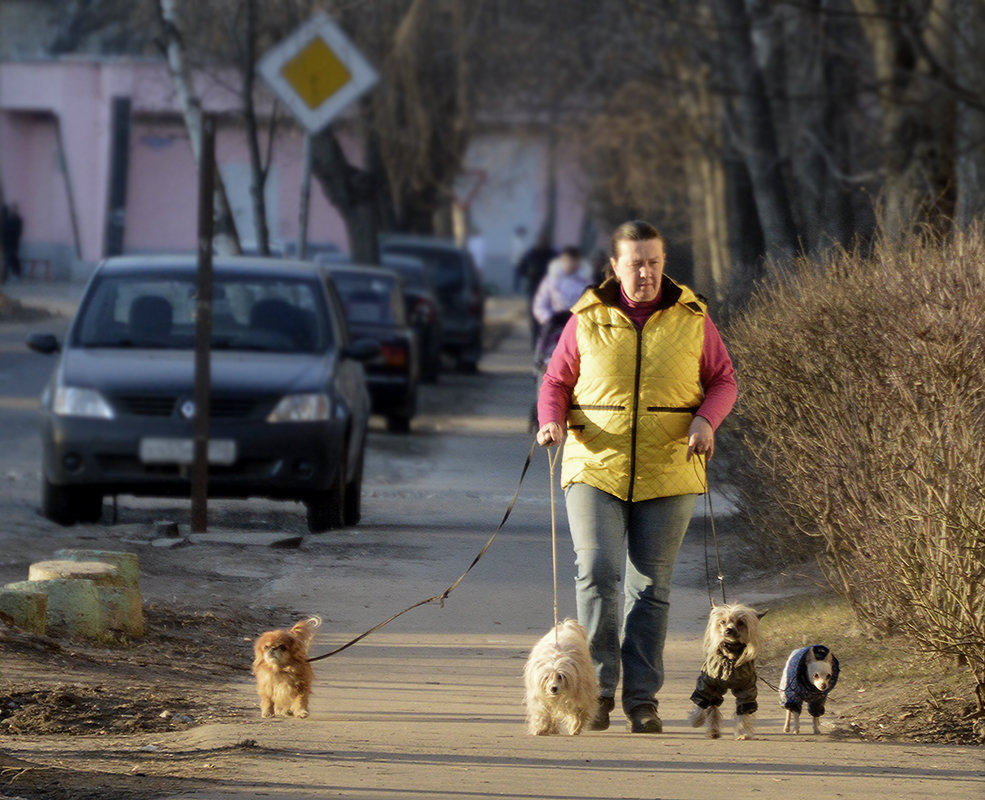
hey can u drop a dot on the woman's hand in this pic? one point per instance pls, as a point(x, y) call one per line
point(700, 438)
point(550, 433)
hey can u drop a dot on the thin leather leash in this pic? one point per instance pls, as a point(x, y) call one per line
point(440, 598)
point(710, 519)
point(551, 464)
point(718, 559)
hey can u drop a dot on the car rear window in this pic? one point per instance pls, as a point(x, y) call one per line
point(446, 269)
point(369, 299)
point(248, 313)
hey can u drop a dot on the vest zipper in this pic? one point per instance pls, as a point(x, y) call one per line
point(636, 409)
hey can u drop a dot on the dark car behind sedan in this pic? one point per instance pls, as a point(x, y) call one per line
point(375, 307)
point(423, 310)
point(289, 405)
point(458, 286)
point(421, 302)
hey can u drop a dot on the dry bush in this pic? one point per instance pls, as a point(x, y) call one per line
point(862, 414)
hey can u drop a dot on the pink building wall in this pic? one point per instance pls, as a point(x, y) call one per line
point(55, 146)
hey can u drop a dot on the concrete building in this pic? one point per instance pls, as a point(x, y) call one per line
point(95, 153)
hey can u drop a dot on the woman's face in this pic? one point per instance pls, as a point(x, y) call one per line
point(639, 268)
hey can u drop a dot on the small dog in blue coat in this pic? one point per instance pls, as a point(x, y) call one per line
point(810, 673)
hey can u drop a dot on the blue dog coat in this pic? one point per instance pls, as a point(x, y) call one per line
point(796, 687)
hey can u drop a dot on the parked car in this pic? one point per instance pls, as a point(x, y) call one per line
point(289, 407)
point(457, 283)
point(375, 307)
point(423, 310)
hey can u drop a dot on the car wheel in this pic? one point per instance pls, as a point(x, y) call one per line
point(468, 366)
point(59, 503)
point(325, 508)
point(431, 370)
point(88, 506)
point(398, 423)
point(352, 503)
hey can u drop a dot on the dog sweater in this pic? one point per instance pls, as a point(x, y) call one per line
point(719, 675)
point(796, 687)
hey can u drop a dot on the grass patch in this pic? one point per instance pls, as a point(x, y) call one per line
point(885, 691)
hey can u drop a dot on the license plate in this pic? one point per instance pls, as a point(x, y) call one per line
point(182, 451)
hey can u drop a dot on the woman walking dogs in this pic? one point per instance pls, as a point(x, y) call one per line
point(641, 379)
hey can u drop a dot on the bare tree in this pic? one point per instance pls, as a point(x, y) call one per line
point(227, 239)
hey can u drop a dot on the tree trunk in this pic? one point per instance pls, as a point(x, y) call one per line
point(968, 32)
point(227, 239)
point(753, 122)
point(258, 172)
point(352, 191)
point(894, 60)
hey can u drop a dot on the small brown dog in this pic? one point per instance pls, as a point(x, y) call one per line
point(284, 676)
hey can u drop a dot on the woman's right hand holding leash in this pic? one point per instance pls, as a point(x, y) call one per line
point(550, 433)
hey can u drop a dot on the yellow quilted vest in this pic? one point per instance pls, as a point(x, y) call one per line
point(635, 397)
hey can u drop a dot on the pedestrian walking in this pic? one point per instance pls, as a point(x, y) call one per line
point(11, 229)
point(529, 272)
point(561, 287)
point(636, 387)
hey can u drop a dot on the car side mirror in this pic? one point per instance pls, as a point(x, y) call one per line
point(362, 350)
point(46, 343)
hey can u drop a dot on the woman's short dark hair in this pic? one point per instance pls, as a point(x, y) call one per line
point(636, 230)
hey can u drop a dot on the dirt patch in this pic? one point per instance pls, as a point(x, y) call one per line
point(26, 780)
point(885, 692)
point(166, 680)
point(169, 680)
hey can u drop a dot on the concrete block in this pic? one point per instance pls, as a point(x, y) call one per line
point(122, 610)
point(128, 564)
point(99, 572)
point(27, 607)
point(73, 607)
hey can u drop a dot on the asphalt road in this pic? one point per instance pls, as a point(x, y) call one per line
point(429, 707)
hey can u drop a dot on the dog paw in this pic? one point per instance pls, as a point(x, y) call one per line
point(714, 734)
point(266, 713)
point(744, 737)
point(301, 714)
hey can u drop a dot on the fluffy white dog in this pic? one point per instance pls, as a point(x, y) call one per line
point(562, 692)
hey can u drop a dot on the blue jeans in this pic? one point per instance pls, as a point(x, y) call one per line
point(610, 534)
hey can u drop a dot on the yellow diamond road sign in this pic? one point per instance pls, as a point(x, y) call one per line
point(317, 72)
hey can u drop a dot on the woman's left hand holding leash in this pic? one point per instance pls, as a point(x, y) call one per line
point(700, 438)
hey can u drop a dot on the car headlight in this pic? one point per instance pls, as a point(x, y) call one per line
point(71, 401)
point(302, 408)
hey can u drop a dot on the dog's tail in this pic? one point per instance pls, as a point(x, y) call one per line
point(305, 628)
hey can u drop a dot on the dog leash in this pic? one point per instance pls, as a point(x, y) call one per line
point(710, 518)
point(440, 598)
point(551, 463)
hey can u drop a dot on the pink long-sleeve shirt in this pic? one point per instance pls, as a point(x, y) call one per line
point(716, 372)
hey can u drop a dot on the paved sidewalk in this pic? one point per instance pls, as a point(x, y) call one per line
point(58, 297)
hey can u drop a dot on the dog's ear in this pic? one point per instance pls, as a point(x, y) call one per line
point(761, 614)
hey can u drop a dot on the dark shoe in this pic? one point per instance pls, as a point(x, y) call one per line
point(601, 721)
point(644, 719)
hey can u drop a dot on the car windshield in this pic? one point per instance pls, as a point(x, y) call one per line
point(445, 268)
point(248, 313)
point(369, 299)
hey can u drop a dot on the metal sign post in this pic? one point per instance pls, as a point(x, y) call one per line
point(203, 330)
point(302, 248)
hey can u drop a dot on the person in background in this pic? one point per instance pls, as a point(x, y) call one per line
point(561, 287)
point(11, 228)
point(636, 387)
point(530, 271)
